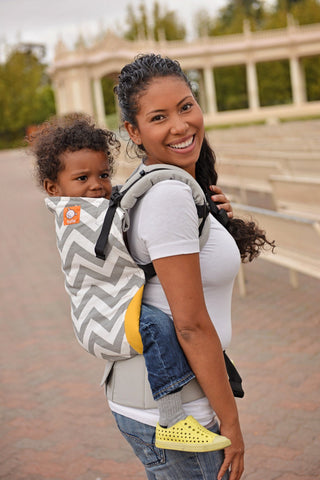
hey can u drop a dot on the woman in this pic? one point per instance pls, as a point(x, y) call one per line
point(165, 122)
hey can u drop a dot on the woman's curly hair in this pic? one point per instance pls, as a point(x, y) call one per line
point(134, 80)
point(249, 238)
point(69, 133)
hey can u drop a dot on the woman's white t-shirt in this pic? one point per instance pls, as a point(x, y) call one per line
point(165, 223)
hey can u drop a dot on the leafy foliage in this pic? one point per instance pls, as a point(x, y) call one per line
point(163, 24)
point(108, 95)
point(274, 83)
point(26, 97)
point(231, 17)
point(231, 87)
point(302, 11)
point(311, 67)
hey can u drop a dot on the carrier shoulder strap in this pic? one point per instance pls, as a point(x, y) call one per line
point(137, 185)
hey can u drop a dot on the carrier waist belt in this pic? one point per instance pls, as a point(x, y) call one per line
point(127, 384)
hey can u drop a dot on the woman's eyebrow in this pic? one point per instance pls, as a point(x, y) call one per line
point(184, 99)
point(160, 110)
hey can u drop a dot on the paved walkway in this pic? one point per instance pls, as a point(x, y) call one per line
point(55, 423)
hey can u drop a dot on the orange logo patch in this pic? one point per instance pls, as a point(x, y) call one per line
point(71, 215)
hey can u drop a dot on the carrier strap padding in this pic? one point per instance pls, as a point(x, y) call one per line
point(147, 176)
point(136, 186)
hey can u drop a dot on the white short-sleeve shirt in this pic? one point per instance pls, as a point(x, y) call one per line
point(164, 223)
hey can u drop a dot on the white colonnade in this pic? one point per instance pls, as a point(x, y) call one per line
point(77, 74)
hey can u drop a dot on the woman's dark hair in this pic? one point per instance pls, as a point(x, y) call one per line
point(134, 79)
point(249, 238)
point(69, 133)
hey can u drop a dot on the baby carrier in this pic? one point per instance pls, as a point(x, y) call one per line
point(103, 281)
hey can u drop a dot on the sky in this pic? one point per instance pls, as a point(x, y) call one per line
point(46, 21)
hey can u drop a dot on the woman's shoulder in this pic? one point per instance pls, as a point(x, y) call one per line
point(167, 199)
point(170, 184)
point(167, 190)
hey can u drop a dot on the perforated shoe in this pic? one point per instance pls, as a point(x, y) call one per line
point(188, 435)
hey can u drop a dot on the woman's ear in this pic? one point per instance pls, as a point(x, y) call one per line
point(133, 133)
point(51, 188)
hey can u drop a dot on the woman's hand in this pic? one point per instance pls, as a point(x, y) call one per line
point(233, 455)
point(219, 196)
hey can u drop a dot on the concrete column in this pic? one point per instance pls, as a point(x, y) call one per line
point(252, 86)
point(297, 82)
point(77, 95)
point(60, 97)
point(98, 102)
point(202, 93)
point(210, 90)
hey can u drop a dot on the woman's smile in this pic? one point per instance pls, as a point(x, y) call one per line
point(183, 145)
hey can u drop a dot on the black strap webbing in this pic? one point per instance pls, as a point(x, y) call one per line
point(234, 378)
point(220, 215)
point(106, 226)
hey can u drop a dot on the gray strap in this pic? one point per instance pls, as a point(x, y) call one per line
point(148, 175)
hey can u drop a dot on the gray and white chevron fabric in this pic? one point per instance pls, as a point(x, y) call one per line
point(100, 291)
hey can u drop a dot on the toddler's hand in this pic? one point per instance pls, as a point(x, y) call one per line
point(219, 196)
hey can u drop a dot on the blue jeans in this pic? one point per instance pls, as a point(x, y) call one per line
point(167, 366)
point(169, 464)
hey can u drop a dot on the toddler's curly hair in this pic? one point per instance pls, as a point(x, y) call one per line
point(69, 133)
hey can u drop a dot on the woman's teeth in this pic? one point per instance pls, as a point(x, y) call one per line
point(185, 144)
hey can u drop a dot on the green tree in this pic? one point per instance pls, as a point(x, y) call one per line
point(26, 97)
point(286, 4)
point(311, 67)
point(303, 11)
point(306, 11)
point(274, 83)
point(231, 17)
point(107, 84)
point(132, 32)
point(108, 95)
point(231, 87)
point(160, 23)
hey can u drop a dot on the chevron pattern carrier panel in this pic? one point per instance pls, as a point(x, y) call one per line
point(100, 290)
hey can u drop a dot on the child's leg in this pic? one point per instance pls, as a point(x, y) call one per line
point(168, 369)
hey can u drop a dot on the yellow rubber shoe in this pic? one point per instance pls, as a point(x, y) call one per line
point(188, 435)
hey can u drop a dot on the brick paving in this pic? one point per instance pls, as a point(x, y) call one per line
point(55, 422)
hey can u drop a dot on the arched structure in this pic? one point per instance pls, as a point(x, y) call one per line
point(77, 74)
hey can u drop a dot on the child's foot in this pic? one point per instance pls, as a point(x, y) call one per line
point(188, 435)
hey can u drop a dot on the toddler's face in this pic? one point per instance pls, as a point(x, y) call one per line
point(85, 174)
